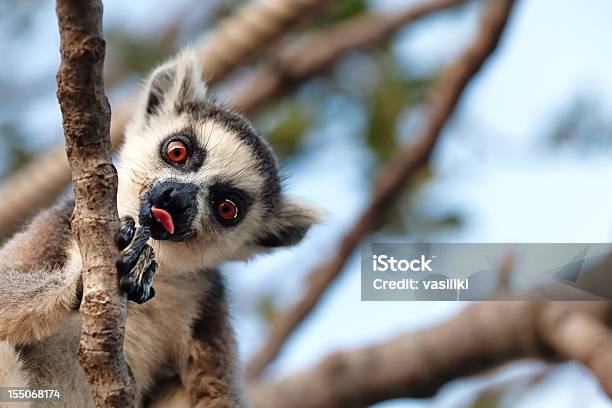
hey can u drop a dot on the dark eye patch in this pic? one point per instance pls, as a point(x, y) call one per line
point(223, 197)
point(196, 153)
point(234, 122)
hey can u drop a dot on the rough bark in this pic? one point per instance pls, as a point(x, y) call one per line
point(86, 121)
point(417, 365)
point(392, 181)
point(237, 38)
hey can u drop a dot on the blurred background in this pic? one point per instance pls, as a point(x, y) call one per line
point(526, 157)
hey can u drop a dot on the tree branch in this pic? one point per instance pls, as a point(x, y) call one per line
point(86, 121)
point(297, 62)
point(583, 338)
point(392, 181)
point(417, 365)
point(252, 27)
point(239, 37)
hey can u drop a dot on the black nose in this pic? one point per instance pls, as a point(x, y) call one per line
point(171, 198)
point(178, 199)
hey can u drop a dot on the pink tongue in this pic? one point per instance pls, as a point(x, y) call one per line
point(164, 218)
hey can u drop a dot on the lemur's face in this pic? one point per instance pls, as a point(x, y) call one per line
point(200, 176)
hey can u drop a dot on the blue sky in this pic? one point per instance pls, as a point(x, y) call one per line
point(490, 165)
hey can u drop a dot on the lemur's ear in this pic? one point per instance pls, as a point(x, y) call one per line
point(290, 224)
point(174, 83)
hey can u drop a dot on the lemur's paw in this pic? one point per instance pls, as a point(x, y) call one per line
point(126, 232)
point(137, 283)
point(136, 264)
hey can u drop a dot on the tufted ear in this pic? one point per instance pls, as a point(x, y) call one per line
point(174, 83)
point(290, 224)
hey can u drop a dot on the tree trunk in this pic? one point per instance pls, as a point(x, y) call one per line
point(86, 121)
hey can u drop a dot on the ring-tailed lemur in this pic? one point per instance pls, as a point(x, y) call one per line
point(197, 187)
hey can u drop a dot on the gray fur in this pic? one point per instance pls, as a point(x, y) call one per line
point(161, 82)
point(182, 337)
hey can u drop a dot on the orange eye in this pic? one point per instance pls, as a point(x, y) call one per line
point(177, 151)
point(227, 210)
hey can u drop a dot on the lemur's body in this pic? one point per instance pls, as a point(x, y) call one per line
point(157, 332)
point(206, 188)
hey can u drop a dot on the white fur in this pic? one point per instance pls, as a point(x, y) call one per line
point(158, 331)
point(32, 314)
point(228, 159)
point(187, 65)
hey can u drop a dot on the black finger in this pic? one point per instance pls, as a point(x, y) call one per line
point(150, 270)
point(136, 292)
point(137, 283)
point(126, 232)
point(130, 255)
point(141, 297)
point(144, 291)
point(140, 239)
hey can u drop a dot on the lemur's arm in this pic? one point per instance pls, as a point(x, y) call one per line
point(40, 274)
point(34, 303)
point(38, 291)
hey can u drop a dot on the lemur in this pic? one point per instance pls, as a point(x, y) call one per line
point(197, 187)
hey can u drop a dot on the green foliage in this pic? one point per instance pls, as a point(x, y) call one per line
point(393, 94)
point(340, 10)
point(491, 399)
point(285, 124)
point(386, 104)
point(411, 217)
point(136, 54)
point(445, 221)
point(15, 152)
point(266, 307)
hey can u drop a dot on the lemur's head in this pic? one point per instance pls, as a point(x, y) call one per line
point(201, 177)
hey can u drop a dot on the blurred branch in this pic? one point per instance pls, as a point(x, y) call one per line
point(247, 31)
point(392, 180)
point(298, 62)
point(86, 119)
point(236, 39)
point(417, 365)
point(583, 338)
